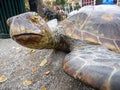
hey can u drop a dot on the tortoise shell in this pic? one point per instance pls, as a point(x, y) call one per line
point(96, 24)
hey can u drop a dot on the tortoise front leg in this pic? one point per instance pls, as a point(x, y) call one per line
point(95, 66)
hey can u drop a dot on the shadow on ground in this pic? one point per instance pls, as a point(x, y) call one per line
point(22, 68)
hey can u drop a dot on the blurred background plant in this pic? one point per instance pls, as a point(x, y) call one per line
point(27, 7)
point(50, 9)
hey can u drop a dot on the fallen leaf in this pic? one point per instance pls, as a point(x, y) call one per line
point(1, 65)
point(43, 88)
point(34, 69)
point(27, 82)
point(43, 62)
point(31, 51)
point(18, 48)
point(2, 78)
point(47, 72)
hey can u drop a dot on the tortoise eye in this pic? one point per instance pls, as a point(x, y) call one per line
point(34, 19)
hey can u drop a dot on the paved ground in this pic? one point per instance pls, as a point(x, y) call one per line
point(21, 69)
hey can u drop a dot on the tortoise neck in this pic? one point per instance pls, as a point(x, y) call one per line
point(63, 42)
point(58, 40)
point(66, 43)
point(63, 45)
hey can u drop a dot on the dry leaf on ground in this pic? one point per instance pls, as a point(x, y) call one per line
point(43, 88)
point(47, 72)
point(1, 64)
point(2, 78)
point(34, 69)
point(43, 62)
point(17, 48)
point(27, 82)
point(31, 51)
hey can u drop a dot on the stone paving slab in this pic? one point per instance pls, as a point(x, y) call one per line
point(22, 69)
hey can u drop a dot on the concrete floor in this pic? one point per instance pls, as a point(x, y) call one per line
point(21, 67)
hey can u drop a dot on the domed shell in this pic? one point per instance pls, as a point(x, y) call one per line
point(95, 24)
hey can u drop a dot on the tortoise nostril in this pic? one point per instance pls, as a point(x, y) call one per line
point(17, 17)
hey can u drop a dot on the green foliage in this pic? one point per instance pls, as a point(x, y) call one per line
point(58, 2)
point(63, 2)
point(27, 8)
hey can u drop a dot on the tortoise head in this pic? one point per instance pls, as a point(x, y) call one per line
point(29, 30)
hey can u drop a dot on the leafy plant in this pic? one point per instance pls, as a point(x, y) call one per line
point(58, 2)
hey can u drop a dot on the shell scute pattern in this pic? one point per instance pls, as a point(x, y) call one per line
point(115, 79)
point(94, 65)
point(89, 74)
point(99, 26)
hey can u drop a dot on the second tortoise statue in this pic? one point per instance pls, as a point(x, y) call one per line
point(92, 38)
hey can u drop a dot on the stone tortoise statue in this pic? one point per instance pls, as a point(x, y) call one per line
point(91, 38)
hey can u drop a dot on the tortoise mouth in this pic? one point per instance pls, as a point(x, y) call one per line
point(29, 40)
